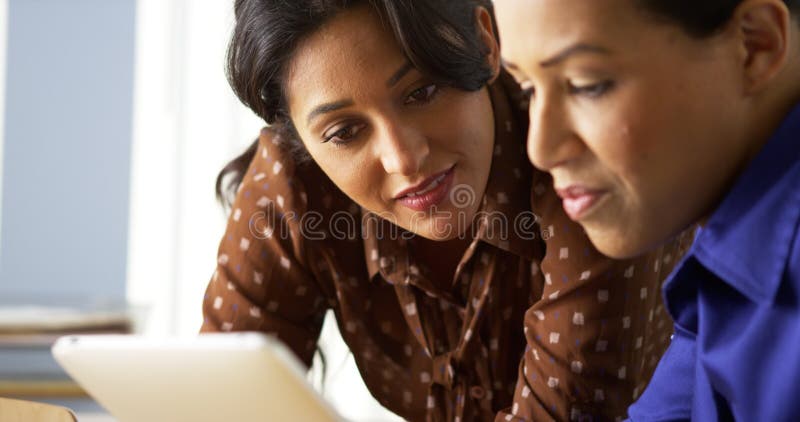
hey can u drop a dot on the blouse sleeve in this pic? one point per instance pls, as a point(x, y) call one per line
point(263, 281)
point(596, 326)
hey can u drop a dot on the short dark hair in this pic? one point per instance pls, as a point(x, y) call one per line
point(439, 37)
point(700, 18)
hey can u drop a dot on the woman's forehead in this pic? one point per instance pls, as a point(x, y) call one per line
point(357, 33)
point(350, 54)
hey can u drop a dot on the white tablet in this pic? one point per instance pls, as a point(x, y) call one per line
point(209, 377)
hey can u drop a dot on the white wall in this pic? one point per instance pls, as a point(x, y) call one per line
point(3, 38)
point(187, 125)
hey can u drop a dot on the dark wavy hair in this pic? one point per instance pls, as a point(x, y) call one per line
point(700, 18)
point(439, 37)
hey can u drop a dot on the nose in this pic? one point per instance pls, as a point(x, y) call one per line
point(551, 138)
point(402, 149)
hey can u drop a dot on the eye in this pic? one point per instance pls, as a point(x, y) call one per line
point(593, 90)
point(344, 135)
point(422, 95)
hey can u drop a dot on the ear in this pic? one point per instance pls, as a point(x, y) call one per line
point(764, 28)
point(489, 38)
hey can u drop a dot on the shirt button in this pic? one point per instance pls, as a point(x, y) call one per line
point(477, 392)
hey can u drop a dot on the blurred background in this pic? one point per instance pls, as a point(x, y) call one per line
point(115, 118)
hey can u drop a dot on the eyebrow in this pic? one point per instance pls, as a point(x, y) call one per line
point(338, 105)
point(561, 56)
point(573, 50)
point(407, 66)
point(327, 108)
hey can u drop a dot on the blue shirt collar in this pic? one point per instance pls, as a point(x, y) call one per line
point(748, 239)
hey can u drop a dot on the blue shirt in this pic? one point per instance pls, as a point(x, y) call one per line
point(735, 299)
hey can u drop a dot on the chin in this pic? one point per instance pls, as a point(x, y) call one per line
point(449, 230)
point(442, 227)
point(439, 235)
point(616, 244)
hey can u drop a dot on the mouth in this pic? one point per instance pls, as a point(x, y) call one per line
point(579, 201)
point(429, 192)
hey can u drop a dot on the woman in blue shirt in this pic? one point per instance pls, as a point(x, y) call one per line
point(653, 115)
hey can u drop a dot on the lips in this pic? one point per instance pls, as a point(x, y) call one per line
point(431, 191)
point(424, 186)
point(578, 201)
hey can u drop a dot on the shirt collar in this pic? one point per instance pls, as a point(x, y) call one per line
point(506, 217)
point(508, 190)
point(748, 239)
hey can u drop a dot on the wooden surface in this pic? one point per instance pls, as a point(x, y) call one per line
point(26, 411)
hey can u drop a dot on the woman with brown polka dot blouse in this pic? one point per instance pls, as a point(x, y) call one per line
point(392, 187)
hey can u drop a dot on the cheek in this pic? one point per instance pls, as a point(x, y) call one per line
point(643, 156)
point(471, 127)
point(349, 172)
point(622, 159)
point(633, 136)
point(619, 147)
point(632, 152)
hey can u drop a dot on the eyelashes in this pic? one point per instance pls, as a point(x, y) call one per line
point(344, 135)
point(348, 132)
point(596, 90)
point(591, 91)
point(422, 95)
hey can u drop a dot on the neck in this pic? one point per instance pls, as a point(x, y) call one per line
point(442, 257)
